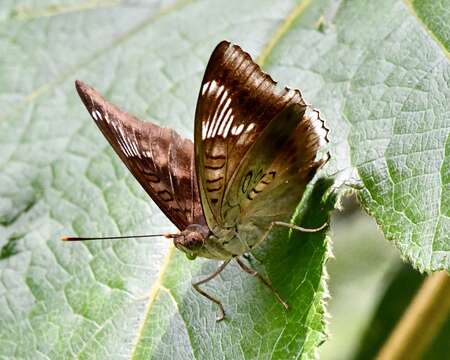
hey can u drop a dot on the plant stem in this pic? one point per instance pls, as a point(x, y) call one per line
point(421, 321)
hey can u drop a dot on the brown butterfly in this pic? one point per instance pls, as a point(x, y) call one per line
point(255, 149)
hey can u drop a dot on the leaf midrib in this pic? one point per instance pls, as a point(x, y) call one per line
point(153, 293)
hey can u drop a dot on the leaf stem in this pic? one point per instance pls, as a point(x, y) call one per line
point(421, 321)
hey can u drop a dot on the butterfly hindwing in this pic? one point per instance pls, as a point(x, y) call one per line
point(273, 175)
point(160, 159)
point(236, 102)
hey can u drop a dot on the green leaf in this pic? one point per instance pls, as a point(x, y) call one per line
point(130, 299)
point(380, 78)
point(382, 82)
point(398, 107)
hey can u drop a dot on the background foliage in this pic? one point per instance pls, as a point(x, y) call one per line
point(370, 289)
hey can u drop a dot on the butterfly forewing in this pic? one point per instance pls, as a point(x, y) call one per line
point(160, 159)
point(236, 102)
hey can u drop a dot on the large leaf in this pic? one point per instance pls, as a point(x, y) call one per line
point(382, 81)
point(380, 78)
point(405, 131)
point(129, 298)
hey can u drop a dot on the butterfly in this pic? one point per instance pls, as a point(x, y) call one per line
point(255, 150)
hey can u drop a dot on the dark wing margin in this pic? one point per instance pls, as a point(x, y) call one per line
point(160, 159)
point(236, 102)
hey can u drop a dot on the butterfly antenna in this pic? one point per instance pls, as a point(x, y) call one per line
point(71, 238)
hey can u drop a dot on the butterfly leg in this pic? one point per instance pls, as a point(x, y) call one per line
point(295, 227)
point(197, 284)
point(290, 226)
point(252, 272)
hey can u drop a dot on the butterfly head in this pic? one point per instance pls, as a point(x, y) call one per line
point(191, 240)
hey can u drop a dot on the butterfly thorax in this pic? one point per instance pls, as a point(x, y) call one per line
point(230, 241)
